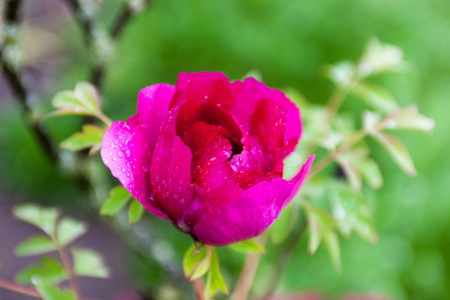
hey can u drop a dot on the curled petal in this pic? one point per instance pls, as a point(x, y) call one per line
point(125, 152)
point(152, 109)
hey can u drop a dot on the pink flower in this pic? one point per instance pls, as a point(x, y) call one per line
point(207, 155)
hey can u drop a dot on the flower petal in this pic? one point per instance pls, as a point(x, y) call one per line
point(152, 109)
point(124, 152)
point(170, 171)
point(245, 216)
point(247, 96)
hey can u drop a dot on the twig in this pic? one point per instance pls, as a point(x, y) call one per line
point(21, 289)
point(199, 288)
point(248, 273)
point(69, 269)
point(126, 12)
point(18, 88)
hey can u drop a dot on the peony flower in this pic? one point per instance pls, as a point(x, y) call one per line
point(207, 155)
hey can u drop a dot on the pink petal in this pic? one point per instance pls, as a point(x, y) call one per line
point(170, 172)
point(248, 95)
point(125, 152)
point(152, 109)
point(245, 216)
point(250, 213)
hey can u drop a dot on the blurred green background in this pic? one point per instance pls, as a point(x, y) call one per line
point(289, 42)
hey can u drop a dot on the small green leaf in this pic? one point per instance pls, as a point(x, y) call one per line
point(342, 73)
point(49, 271)
point(331, 240)
point(247, 246)
point(409, 118)
point(88, 263)
point(35, 245)
point(215, 281)
point(118, 197)
point(44, 218)
point(351, 171)
point(49, 292)
point(371, 173)
point(256, 74)
point(69, 230)
point(319, 222)
point(375, 97)
point(196, 262)
point(87, 94)
point(90, 136)
point(135, 211)
point(397, 151)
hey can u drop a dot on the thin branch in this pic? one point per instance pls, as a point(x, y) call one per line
point(18, 88)
point(124, 15)
point(69, 269)
point(248, 273)
point(199, 288)
point(21, 289)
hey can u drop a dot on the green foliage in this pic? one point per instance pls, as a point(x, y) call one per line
point(88, 263)
point(118, 197)
point(247, 246)
point(280, 230)
point(43, 218)
point(214, 280)
point(90, 137)
point(196, 261)
point(35, 245)
point(83, 100)
point(49, 292)
point(135, 211)
point(69, 230)
point(49, 271)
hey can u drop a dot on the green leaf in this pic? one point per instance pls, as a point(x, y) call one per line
point(342, 74)
point(215, 281)
point(135, 211)
point(83, 100)
point(397, 151)
point(409, 118)
point(69, 230)
point(375, 96)
point(196, 262)
point(352, 211)
point(49, 292)
point(371, 173)
point(379, 58)
point(90, 136)
point(88, 263)
point(34, 245)
point(118, 197)
point(87, 94)
point(331, 240)
point(44, 218)
point(318, 222)
point(256, 74)
point(49, 271)
point(351, 171)
point(247, 246)
point(280, 230)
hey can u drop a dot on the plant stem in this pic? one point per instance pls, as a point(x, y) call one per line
point(333, 154)
point(248, 273)
point(67, 265)
point(14, 79)
point(21, 289)
point(288, 248)
point(199, 288)
point(126, 12)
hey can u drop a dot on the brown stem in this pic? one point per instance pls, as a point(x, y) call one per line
point(68, 266)
point(126, 12)
point(248, 273)
point(18, 88)
point(21, 289)
point(199, 288)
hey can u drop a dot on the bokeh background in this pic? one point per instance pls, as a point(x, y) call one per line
point(289, 42)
